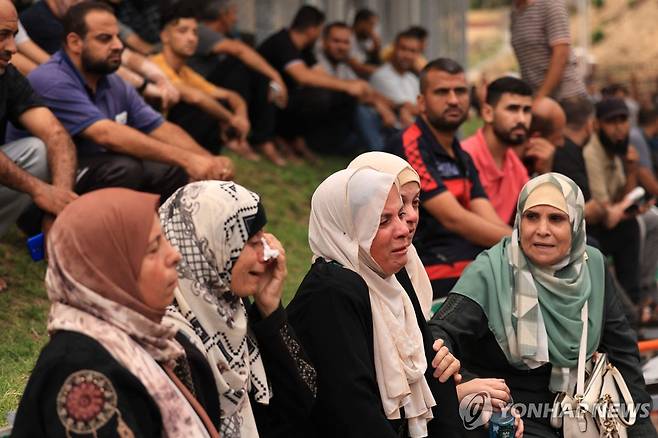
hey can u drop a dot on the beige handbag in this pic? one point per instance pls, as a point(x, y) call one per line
point(593, 411)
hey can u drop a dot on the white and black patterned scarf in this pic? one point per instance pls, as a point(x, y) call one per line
point(209, 222)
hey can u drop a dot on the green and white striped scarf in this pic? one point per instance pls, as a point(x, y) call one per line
point(534, 312)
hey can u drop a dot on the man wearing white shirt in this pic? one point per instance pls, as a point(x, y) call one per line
point(396, 79)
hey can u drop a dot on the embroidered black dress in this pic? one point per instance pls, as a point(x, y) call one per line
point(77, 385)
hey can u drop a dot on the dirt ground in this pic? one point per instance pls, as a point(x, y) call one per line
point(628, 45)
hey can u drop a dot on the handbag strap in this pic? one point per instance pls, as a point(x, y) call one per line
point(582, 353)
point(628, 399)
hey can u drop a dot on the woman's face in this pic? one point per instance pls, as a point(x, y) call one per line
point(410, 193)
point(545, 235)
point(158, 277)
point(389, 247)
point(249, 267)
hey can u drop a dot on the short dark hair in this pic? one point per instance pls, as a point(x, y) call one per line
point(420, 32)
point(210, 10)
point(447, 65)
point(405, 34)
point(74, 19)
point(363, 14)
point(307, 16)
point(171, 12)
point(647, 116)
point(506, 84)
point(577, 110)
point(334, 25)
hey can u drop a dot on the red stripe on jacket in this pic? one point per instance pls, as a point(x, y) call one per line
point(412, 151)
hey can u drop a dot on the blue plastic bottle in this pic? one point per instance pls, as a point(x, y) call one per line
point(501, 424)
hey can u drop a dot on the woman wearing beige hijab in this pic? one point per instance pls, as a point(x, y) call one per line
point(409, 183)
point(378, 374)
point(108, 367)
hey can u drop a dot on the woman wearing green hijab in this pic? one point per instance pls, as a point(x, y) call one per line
point(515, 313)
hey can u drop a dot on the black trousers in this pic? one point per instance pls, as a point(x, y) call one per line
point(233, 74)
point(325, 118)
point(622, 243)
point(201, 126)
point(116, 170)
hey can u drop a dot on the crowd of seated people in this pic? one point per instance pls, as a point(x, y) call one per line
point(443, 265)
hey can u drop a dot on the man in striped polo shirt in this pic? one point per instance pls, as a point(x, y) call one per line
point(542, 45)
point(457, 221)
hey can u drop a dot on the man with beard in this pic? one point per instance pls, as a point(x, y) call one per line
point(457, 221)
point(612, 165)
point(507, 115)
point(121, 141)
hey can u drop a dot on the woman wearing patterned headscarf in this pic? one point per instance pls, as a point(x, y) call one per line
point(515, 313)
point(263, 378)
point(108, 367)
point(378, 374)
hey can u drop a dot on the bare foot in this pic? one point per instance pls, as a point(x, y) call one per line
point(271, 153)
point(287, 151)
point(299, 145)
point(243, 149)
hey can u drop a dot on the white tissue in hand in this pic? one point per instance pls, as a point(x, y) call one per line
point(268, 252)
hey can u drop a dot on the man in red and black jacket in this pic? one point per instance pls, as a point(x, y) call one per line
point(457, 221)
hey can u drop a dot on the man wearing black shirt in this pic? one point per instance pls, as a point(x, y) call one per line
point(320, 107)
point(26, 163)
point(42, 21)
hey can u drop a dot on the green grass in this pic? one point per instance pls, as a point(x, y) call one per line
point(286, 194)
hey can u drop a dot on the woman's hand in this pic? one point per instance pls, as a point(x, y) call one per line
point(497, 390)
point(270, 285)
point(518, 424)
point(445, 364)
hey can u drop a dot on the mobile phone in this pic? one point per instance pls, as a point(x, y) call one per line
point(35, 247)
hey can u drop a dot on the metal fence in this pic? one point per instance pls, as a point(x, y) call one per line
point(444, 19)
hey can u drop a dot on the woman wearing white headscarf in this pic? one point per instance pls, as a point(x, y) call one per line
point(266, 385)
point(409, 183)
point(364, 332)
point(515, 313)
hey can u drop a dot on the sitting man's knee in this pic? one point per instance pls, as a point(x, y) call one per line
point(33, 157)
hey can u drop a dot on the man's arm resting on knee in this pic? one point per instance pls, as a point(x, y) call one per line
point(129, 141)
point(204, 101)
point(62, 158)
point(171, 133)
point(310, 78)
point(247, 55)
point(449, 212)
point(47, 197)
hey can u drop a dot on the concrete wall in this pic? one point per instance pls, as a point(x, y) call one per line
point(444, 19)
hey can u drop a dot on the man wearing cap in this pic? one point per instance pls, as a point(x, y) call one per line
point(612, 164)
point(611, 161)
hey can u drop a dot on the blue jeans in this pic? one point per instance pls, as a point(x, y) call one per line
point(368, 126)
